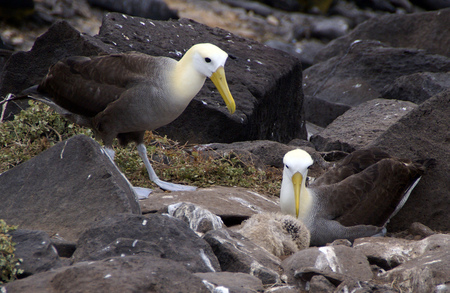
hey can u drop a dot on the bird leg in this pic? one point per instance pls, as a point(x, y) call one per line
point(140, 192)
point(110, 152)
point(142, 150)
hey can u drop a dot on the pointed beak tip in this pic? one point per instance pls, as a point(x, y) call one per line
point(219, 80)
point(232, 109)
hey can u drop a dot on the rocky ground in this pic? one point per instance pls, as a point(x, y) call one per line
point(352, 84)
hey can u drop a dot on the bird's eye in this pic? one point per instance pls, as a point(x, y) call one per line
point(207, 60)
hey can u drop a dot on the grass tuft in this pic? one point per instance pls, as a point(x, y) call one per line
point(38, 128)
point(8, 261)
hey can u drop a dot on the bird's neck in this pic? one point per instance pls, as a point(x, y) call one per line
point(306, 201)
point(186, 79)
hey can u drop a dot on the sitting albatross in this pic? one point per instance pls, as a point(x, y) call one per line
point(354, 199)
point(123, 95)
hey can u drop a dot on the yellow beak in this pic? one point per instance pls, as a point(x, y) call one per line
point(297, 181)
point(220, 81)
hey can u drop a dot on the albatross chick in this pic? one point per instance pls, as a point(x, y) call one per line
point(281, 235)
point(123, 95)
point(357, 198)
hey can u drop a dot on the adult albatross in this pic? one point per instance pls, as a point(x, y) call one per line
point(354, 199)
point(123, 95)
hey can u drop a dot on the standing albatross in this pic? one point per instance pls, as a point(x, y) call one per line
point(354, 199)
point(123, 95)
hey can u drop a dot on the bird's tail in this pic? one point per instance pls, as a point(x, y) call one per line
point(32, 93)
point(422, 166)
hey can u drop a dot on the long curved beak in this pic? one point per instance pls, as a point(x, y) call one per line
point(297, 181)
point(220, 81)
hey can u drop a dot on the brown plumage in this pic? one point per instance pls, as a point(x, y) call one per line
point(355, 199)
point(103, 90)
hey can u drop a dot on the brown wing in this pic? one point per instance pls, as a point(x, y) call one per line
point(86, 85)
point(371, 196)
point(352, 164)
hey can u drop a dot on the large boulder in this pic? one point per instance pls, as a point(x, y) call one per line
point(362, 74)
point(120, 274)
point(155, 235)
point(36, 252)
point(236, 253)
point(414, 266)
point(342, 262)
point(64, 189)
point(389, 252)
point(416, 30)
point(361, 125)
point(417, 87)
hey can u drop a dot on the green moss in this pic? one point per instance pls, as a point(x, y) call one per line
point(38, 128)
point(8, 261)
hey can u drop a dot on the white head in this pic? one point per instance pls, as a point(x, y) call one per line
point(207, 58)
point(201, 61)
point(296, 163)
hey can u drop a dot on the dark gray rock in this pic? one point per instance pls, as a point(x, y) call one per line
point(340, 262)
point(288, 48)
point(352, 12)
point(326, 281)
point(262, 80)
point(431, 4)
point(121, 274)
point(307, 49)
point(427, 273)
point(25, 69)
point(362, 74)
point(253, 6)
point(420, 229)
point(4, 56)
point(163, 236)
point(417, 87)
point(65, 248)
point(382, 5)
point(237, 254)
point(389, 253)
point(64, 189)
point(234, 282)
point(361, 125)
point(321, 112)
point(416, 30)
point(288, 5)
point(320, 284)
point(423, 133)
point(329, 28)
point(36, 251)
point(153, 9)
